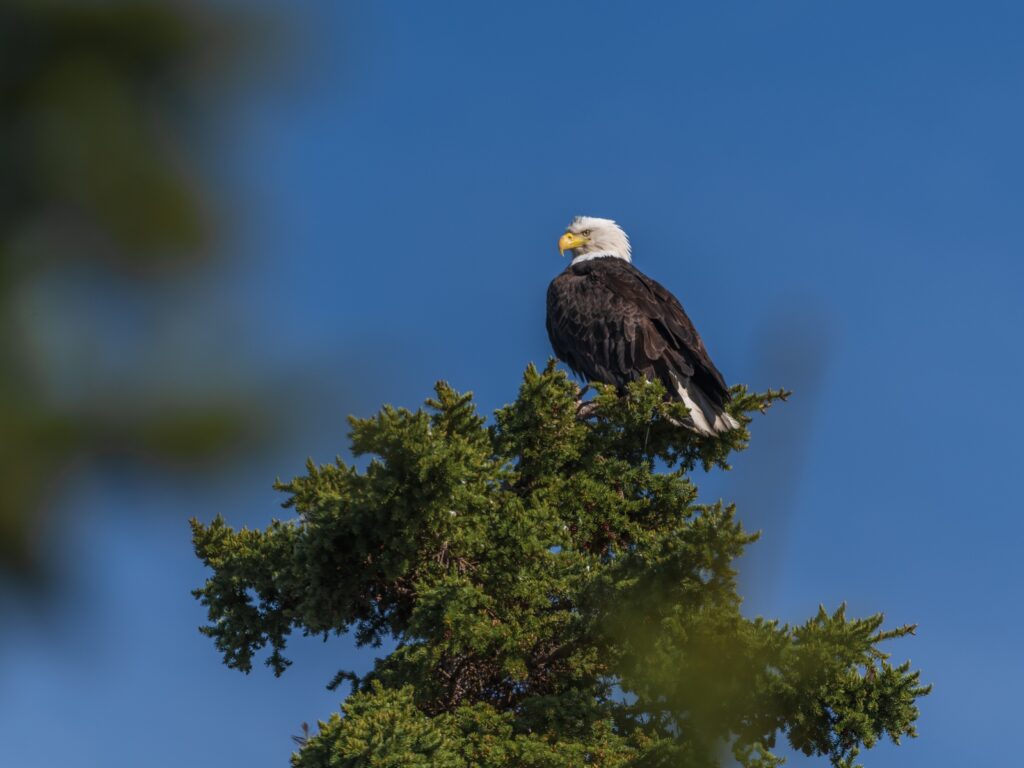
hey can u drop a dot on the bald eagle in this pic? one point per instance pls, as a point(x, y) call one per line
point(611, 323)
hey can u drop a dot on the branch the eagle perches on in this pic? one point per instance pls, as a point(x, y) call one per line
point(586, 409)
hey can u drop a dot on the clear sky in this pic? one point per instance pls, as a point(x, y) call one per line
point(833, 190)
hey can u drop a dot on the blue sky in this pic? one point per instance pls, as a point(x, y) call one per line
point(834, 191)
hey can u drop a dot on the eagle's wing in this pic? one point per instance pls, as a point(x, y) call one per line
point(668, 317)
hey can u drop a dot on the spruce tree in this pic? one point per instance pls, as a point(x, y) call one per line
point(556, 596)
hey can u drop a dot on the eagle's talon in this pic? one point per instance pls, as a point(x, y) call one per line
point(584, 410)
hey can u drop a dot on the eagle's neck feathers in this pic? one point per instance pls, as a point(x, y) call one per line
point(599, 255)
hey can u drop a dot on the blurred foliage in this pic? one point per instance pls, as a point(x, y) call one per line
point(99, 189)
point(557, 596)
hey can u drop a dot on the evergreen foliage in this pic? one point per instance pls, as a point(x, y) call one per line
point(557, 596)
point(101, 182)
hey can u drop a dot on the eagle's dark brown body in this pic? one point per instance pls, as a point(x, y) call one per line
point(611, 323)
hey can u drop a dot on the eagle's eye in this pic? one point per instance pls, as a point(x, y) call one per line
point(585, 233)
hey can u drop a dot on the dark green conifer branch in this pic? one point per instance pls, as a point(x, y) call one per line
point(556, 594)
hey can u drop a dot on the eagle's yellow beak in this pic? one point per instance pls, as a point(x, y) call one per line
point(570, 240)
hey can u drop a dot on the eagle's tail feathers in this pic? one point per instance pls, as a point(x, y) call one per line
point(705, 418)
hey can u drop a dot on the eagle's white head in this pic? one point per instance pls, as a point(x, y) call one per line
point(592, 238)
